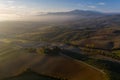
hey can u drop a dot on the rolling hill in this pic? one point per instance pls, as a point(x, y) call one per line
point(16, 63)
point(104, 29)
point(56, 67)
point(94, 32)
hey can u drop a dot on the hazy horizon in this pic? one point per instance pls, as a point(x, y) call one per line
point(28, 9)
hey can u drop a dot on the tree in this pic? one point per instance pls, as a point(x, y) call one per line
point(52, 51)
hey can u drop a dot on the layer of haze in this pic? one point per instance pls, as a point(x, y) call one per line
point(26, 10)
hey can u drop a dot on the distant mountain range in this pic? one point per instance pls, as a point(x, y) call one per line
point(77, 12)
point(57, 17)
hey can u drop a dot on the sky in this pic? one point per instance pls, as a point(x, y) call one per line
point(17, 9)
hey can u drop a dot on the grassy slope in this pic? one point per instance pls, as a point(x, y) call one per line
point(15, 60)
point(16, 56)
point(111, 67)
point(30, 75)
point(103, 38)
point(67, 68)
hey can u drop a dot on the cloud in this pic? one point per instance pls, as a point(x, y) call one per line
point(10, 7)
point(101, 3)
point(10, 1)
point(91, 6)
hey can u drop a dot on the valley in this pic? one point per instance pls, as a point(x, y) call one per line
point(78, 49)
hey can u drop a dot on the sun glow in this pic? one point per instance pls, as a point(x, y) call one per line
point(4, 17)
